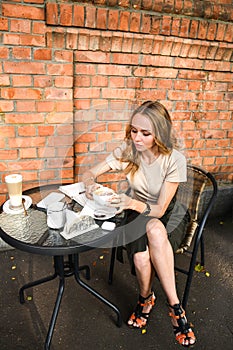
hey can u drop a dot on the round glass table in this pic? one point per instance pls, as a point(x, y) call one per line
point(28, 231)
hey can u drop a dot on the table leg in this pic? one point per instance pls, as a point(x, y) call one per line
point(55, 313)
point(32, 284)
point(93, 291)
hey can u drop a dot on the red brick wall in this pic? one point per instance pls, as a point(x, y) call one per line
point(70, 72)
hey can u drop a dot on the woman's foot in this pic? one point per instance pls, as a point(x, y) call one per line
point(140, 316)
point(183, 332)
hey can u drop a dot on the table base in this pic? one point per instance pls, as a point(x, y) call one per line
point(63, 269)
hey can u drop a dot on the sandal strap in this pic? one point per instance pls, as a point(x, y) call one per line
point(150, 300)
point(140, 317)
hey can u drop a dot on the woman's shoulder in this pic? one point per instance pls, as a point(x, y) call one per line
point(175, 154)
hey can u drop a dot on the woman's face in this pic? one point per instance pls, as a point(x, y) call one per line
point(142, 133)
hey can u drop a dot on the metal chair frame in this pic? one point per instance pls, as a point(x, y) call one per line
point(192, 194)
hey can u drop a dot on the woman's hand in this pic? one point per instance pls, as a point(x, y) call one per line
point(90, 189)
point(121, 202)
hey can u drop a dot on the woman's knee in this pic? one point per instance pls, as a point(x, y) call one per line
point(156, 232)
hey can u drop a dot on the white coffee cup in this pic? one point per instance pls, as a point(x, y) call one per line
point(56, 215)
point(14, 187)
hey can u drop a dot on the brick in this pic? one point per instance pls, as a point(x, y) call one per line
point(43, 54)
point(63, 56)
point(13, 118)
point(124, 20)
point(51, 13)
point(21, 11)
point(101, 18)
point(229, 33)
point(134, 25)
point(6, 106)
point(66, 14)
point(20, 26)
point(212, 28)
point(58, 94)
point(25, 106)
point(65, 130)
point(58, 40)
point(59, 117)
point(20, 93)
point(45, 106)
point(47, 174)
point(64, 106)
point(122, 58)
point(116, 43)
point(90, 56)
point(188, 63)
point(7, 131)
point(27, 130)
point(220, 31)
point(113, 17)
point(203, 26)
point(26, 165)
point(72, 41)
point(166, 25)
point(21, 53)
point(184, 27)
point(24, 67)
point(145, 23)
point(45, 130)
point(59, 69)
point(90, 21)
point(4, 53)
point(64, 82)
point(99, 81)
point(4, 80)
point(114, 70)
point(39, 28)
point(8, 154)
point(82, 81)
point(78, 17)
point(156, 23)
point(32, 40)
point(193, 30)
point(42, 81)
point(3, 24)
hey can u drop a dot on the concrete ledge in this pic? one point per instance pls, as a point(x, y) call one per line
point(224, 201)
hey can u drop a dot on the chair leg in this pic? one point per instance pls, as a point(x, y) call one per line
point(112, 263)
point(202, 244)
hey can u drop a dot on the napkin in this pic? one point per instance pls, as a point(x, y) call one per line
point(77, 224)
point(53, 197)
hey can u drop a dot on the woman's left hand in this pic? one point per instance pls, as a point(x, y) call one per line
point(121, 202)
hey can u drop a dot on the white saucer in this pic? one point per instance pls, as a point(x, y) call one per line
point(27, 203)
point(105, 213)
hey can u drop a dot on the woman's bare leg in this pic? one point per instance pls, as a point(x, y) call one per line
point(144, 272)
point(162, 258)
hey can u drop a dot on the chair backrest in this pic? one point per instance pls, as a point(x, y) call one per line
point(191, 194)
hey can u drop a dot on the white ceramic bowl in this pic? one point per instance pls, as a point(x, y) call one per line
point(103, 195)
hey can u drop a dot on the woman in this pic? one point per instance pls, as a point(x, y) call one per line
point(154, 169)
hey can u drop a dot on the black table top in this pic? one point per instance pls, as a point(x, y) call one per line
point(30, 233)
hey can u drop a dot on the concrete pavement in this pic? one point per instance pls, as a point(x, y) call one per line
point(85, 323)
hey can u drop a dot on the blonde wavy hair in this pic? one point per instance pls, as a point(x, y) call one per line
point(161, 123)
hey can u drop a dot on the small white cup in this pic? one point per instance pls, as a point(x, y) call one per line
point(14, 187)
point(56, 215)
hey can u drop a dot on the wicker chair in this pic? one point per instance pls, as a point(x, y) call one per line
point(199, 202)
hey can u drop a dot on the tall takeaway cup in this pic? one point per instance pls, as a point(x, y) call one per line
point(14, 186)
